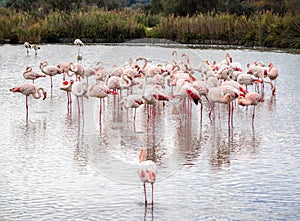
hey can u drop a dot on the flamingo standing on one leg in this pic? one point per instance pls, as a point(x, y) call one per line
point(272, 74)
point(50, 71)
point(251, 98)
point(147, 172)
point(67, 86)
point(32, 75)
point(29, 89)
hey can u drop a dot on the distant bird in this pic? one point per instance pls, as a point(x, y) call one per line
point(147, 172)
point(30, 89)
point(35, 47)
point(251, 98)
point(27, 46)
point(78, 43)
point(32, 75)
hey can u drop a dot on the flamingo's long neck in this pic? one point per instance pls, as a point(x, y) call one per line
point(142, 155)
point(37, 94)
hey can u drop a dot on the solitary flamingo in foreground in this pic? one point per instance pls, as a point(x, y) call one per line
point(28, 89)
point(251, 98)
point(147, 172)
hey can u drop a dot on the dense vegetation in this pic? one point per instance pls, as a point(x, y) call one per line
point(252, 23)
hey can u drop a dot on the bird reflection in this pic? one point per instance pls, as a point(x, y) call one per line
point(148, 210)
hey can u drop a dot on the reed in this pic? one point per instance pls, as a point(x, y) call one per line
point(98, 25)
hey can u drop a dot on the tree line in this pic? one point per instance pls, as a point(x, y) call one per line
point(165, 7)
point(266, 23)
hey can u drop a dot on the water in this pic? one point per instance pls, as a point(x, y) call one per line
point(58, 166)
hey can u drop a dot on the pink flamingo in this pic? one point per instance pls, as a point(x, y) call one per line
point(272, 74)
point(29, 89)
point(87, 72)
point(217, 95)
point(32, 75)
point(132, 101)
point(67, 86)
point(77, 69)
point(251, 98)
point(147, 172)
point(50, 71)
point(64, 68)
point(100, 91)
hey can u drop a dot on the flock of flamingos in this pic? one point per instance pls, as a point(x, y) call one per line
point(147, 84)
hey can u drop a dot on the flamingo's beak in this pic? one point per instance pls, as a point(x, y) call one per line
point(15, 89)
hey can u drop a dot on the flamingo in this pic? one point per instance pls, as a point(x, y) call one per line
point(35, 47)
point(147, 172)
point(67, 86)
point(77, 69)
point(29, 89)
point(27, 46)
point(247, 79)
point(100, 91)
point(64, 68)
point(272, 73)
point(78, 43)
point(216, 95)
point(87, 72)
point(80, 89)
point(32, 75)
point(50, 71)
point(251, 98)
point(132, 101)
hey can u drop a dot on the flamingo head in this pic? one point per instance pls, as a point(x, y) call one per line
point(15, 89)
point(45, 95)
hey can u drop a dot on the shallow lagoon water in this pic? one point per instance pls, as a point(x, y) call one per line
point(59, 166)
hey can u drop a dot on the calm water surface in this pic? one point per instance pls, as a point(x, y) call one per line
point(59, 166)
